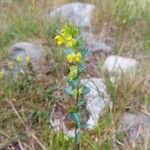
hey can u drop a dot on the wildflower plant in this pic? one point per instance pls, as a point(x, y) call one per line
point(75, 53)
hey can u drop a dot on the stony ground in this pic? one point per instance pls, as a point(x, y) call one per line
point(33, 105)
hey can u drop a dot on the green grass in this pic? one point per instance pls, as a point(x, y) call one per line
point(28, 100)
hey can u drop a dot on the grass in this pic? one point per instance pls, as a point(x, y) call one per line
point(25, 103)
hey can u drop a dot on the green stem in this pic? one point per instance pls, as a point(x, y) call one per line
point(77, 111)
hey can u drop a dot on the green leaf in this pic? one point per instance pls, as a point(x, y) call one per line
point(75, 92)
point(69, 90)
point(83, 125)
point(74, 83)
point(81, 102)
point(73, 72)
point(75, 117)
point(86, 90)
point(82, 67)
point(67, 51)
point(80, 91)
point(84, 52)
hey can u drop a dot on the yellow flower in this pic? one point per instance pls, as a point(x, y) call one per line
point(78, 57)
point(2, 74)
point(71, 57)
point(59, 39)
point(70, 41)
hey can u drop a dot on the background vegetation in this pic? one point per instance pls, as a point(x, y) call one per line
point(25, 104)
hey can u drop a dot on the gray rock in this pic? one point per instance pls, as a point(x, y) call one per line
point(137, 129)
point(24, 49)
point(95, 44)
point(119, 65)
point(78, 13)
point(97, 101)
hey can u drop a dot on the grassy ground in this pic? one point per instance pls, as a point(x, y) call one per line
point(25, 104)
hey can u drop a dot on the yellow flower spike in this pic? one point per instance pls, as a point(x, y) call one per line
point(59, 39)
point(71, 57)
point(2, 74)
point(78, 57)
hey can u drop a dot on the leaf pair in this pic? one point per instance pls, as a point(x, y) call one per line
point(74, 92)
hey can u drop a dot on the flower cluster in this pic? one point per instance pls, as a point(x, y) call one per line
point(66, 37)
point(74, 57)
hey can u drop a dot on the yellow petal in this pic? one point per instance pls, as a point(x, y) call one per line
point(57, 37)
point(70, 44)
point(70, 58)
point(70, 38)
point(78, 57)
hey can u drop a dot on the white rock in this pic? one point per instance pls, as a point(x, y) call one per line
point(23, 49)
point(97, 100)
point(79, 13)
point(119, 65)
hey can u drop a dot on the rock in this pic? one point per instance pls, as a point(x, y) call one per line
point(137, 129)
point(119, 65)
point(97, 101)
point(96, 44)
point(78, 13)
point(23, 49)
